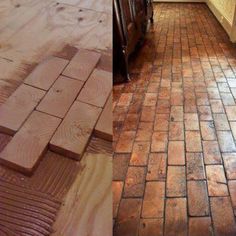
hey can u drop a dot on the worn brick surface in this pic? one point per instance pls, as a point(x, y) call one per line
point(181, 102)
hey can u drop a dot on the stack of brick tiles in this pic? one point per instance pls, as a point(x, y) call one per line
point(59, 105)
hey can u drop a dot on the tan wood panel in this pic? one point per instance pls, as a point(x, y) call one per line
point(29, 144)
point(18, 107)
point(72, 136)
point(60, 97)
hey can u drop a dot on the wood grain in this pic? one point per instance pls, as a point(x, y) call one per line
point(104, 126)
point(60, 97)
point(82, 64)
point(18, 107)
point(72, 136)
point(29, 144)
point(87, 209)
point(46, 73)
point(97, 88)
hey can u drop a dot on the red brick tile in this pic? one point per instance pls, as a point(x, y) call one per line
point(205, 113)
point(153, 87)
point(213, 93)
point(208, 130)
point(176, 217)
point(131, 122)
point(125, 142)
point(197, 198)
point(230, 165)
point(128, 217)
point(217, 106)
point(191, 121)
point(199, 226)
point(193, 141)
point(150, 99)
point(227, 99)
point(226, 141)
point(195, 166)
point(222, 216)
point(176, 131)
point(221, 122)
point(176, 153)
point(144, 132)
point(163, 106)
point(212, 153)
point(117, 188)
point(82, 64)
point(18, 107)
point(231, 112)
point(135, 181)
point(176, 113)
point(73, 134)
point(46, 73)
point(176, 181)
point(140, 153)
point(202, 99)
point(232, 191)
point(217, 185)
point(120, 165)
point(125, 99)
point(153, 202)
point(157, 166)
point(159, 142)
point(161, 122)
point(151, 227)
point(148, 114)
point(233, 129)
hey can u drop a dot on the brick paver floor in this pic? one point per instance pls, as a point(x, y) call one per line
point(175, 130)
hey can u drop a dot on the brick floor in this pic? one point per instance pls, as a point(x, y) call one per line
point(175, 129)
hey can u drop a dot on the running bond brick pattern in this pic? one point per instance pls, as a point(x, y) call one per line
point(60, 110)
point(175, 129)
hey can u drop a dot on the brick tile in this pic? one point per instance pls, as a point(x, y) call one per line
point(151, 227)
point(60, 97)
point(199, 226)
point(125, 142)
point(176, 217)
point(213, 93)
point(232, 191)
point(46, 73)
point(159, 142)
point(161, 122)
point(117, 188)
point(144, 132)
point(231, 112)
point(131, 122)
point(163, 106)
point(221, 122)
point(230, 165)
point(128, 217)
point(135, 181)
point(202, 99)
point(82, 64)
point(97, 89)
point(176, 113)
point(73, 134)
point(191, 121)
point(148, 114)
point(217, 106)
point(205, 113)
point(176, 181)
point(195, 166)
point(217, 185)
point(211, 152)
point(208, 130)
point(222, 216)
point(227, 99)
point(193, 141)
point(125, 99)
point(197, 198)
point(157, 167)
point(18, 107)
point(176, 131)
point(140, 153)
point(153, 202)
point(153, 87)
point(226, 141)
point(176, 153)
point(120, 165)
point(233, 129)
point(27, 147)
point(150, 99)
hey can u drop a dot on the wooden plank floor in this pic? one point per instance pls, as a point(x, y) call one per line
point(30, 31)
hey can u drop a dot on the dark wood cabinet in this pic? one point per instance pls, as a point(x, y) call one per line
point(130, 20)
